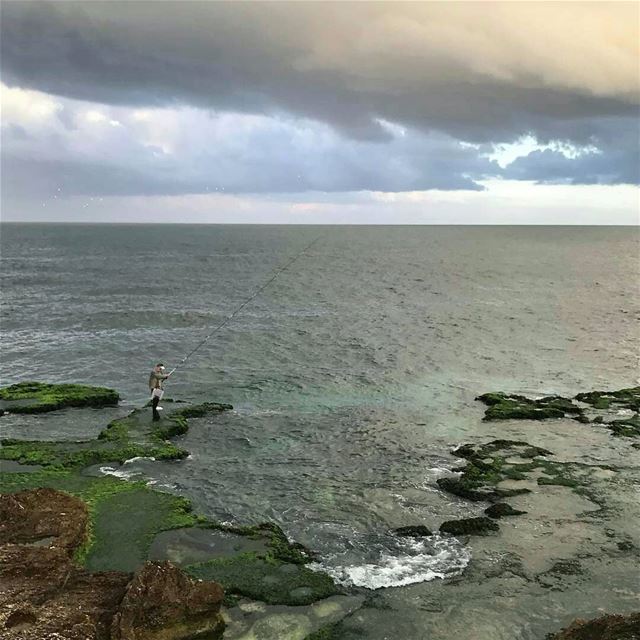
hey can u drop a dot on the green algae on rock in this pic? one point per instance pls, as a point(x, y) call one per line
point(47, 595)
point(274, 537)
point(266, 578)
point(41, 397)
point(262, 564)
point(124, 516)
point(502, 406)
point(486, 467)
point(622, 398)
point(501, 469)
point(627, 427)
point(135, 435)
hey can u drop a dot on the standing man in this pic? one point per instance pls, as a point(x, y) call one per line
point(156, 383)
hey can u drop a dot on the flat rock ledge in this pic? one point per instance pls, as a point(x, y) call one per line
point(42, 397)
point(46, 595)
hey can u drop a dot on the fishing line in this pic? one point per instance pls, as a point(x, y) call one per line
point(237, 310)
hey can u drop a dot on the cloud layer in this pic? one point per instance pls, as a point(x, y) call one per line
point(138, 97)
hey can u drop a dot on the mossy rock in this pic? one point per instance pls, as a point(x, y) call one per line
point(279, 545)
point(124, 516)
point(626, 427)
point(502, 406)
point(486, 467)
point(41, 397)
point(266, 579)
point(135, 435)
point(470, 527)
point(622, 398)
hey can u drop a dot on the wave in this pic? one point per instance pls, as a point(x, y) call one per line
point(413, 561)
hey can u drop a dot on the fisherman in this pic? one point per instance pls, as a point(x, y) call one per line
point(156, 383)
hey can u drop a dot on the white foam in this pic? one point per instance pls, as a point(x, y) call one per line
point(446, 558)
point(118, 473)
point(137, 459)
point(443, 471)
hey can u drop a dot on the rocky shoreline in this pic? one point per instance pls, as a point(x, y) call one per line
point(144, 566)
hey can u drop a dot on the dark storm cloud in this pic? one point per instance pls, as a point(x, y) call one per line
point(445, 72)
point(348, 64)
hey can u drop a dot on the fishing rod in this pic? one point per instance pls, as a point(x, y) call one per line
point(237, 310)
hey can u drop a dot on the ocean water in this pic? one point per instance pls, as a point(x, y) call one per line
point(352, 377)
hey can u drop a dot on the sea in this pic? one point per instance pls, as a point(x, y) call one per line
point(352, 377)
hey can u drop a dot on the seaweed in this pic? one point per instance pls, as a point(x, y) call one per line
point(135, 435)
point(502, 406)
point(47, 397)
point(266, 578)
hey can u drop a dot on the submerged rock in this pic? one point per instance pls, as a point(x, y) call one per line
point(502, 509)
point(487, 467)
point(470, 527)
point(607, 627)
point(162, 603)
point(413, 531)
point(621, 399)
point(628, 427)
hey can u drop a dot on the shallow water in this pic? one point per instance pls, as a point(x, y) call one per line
point(352, 377)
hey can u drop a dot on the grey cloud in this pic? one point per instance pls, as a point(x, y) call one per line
point(347, 64)
point(226, 154)
point(615, 158)
point(448, 72)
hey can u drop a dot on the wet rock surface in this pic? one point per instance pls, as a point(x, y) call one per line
point(501, 510)
point(487, 470)
point(413, 531)
point(134, 435)
point(608, 627)
point(163, 603)
point(96, 560)
point(45, 594)
point(549, 509)
point(29, 516)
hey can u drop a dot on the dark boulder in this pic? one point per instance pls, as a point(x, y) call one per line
point(470, 527)
point(502, 509)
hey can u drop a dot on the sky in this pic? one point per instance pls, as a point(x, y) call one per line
point(316, 112)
